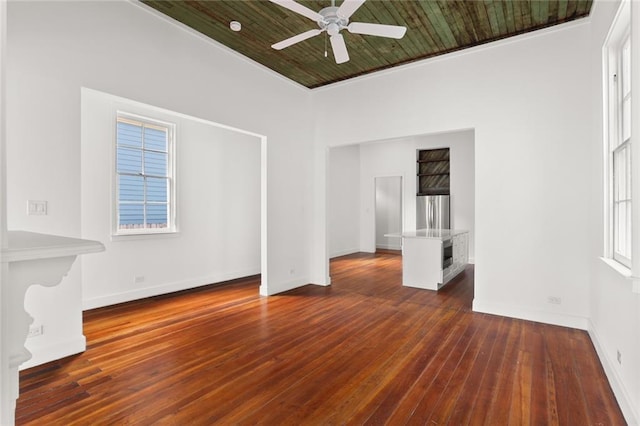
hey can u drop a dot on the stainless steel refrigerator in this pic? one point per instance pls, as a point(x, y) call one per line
point(432, 212)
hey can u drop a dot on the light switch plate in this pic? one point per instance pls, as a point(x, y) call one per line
point(37, 208)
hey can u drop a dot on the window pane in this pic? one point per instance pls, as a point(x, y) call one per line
point(629, 170)
point(129, 160)
point(157, 190)
point(626, 68)
point(130, 188)
point(131, 216)
point(129, 134)
point(626, 119)
point(627, 252)
point(622, 229)
point(155, 163)
point(619, 180)
point(155, 139)
point(620, 225)
point(622, 174)
point(157, 215)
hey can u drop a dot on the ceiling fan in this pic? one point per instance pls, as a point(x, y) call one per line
point(333, 19)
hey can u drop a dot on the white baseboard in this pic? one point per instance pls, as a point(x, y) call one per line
point(617, 385)
point(282, 287)
point(141, 293)
point(528, 314)
point(343, 252)
point(389, 246)
point(44, 354)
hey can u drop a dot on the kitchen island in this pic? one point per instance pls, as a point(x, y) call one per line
point(432, 257)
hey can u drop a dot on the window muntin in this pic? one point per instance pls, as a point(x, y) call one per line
point(145, 199)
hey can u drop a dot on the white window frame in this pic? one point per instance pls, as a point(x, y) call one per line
point(625, 24)
point(172, 198)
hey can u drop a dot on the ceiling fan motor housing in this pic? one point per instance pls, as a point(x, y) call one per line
point(331, 21)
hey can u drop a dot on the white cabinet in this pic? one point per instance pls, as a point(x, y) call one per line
point(424, 255)
point(460, 256)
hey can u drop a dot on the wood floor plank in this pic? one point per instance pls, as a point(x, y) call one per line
point(447, 400)
point(476, 372)
point(363, 350)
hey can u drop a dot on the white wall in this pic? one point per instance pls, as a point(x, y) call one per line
point(398, 158)
point(218, 200)
point(388, 211)
point(56, 48)
point(6, 386)
point(344, 200)
point(614, 308)
point(526, 101)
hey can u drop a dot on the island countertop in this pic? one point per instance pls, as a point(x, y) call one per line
point(433, 234)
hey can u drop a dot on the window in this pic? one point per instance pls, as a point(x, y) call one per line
point(618, 140)
point(145, 187)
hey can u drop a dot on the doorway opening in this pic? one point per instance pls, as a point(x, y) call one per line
point(388, 212)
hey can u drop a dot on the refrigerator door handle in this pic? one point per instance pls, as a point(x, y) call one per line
point(430, 223)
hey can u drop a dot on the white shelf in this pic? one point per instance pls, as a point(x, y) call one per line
point(25, 245)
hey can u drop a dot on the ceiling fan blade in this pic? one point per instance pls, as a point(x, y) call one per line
point(339, 49)
point(348, 7)
point(380, 30)
point(299, 9)
point(295, 39)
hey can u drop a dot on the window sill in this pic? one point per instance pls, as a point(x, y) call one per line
point(144, 236)
point(625, 272)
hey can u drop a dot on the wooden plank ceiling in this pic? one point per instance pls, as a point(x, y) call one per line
point(433, 28)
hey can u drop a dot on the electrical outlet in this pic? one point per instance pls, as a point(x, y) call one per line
point(554, 300)
point(619, 357)
point(138, 279)
point(37, 208)
point(35, 330)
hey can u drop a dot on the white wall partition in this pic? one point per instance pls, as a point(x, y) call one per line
point(344, 200)
point(526, 101)
point(5, 384)
point(124, 49)
point(218, 207)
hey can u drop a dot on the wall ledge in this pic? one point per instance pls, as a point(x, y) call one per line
point(624, 272)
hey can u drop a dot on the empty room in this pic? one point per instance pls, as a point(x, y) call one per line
point(319, 212)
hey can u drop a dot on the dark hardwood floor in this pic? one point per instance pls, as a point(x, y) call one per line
point(363, 351)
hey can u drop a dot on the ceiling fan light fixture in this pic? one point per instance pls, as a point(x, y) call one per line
point(333, 19)
point(333, 29)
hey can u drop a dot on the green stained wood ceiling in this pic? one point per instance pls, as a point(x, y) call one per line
point(433, 28)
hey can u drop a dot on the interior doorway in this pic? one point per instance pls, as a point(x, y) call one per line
point(388, 211)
